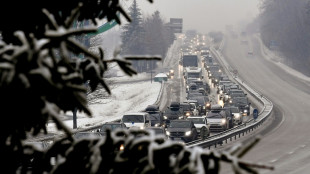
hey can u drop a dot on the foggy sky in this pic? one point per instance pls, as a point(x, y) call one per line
point(202, 15)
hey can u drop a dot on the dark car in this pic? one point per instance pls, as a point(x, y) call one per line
point(243, 104)
point(203, 103)
point(186, 109)
point(235, 113)
point(82, 135)
point(158, 131)
point(192, 94)
point(202, 84)
point(155, 117)
point(172, 113)
point(111, 126)
point(184, 130)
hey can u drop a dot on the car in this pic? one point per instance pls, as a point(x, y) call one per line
point(135, 120)
point(201, 126)
point(243, 104)
point(156, 116)
point(172, 113)
point(236, 114)
point(202, 102)
point(158, 131)
point(184, 130)
point(194, 106)
point(192, 94)
point(155, 119)
point(86, 134)
point(186, 109)
point(217, 119)
point(111, 126)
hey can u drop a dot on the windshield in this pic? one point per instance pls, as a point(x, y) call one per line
point(193, 75)
point(199, 83)
point(197, 120)
point(153, 117)
point(234, 110)
point(133, 118)
point(180, 124)
point(186, 107)
point(214, 115)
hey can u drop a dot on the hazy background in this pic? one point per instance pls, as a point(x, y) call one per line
point(202, 15)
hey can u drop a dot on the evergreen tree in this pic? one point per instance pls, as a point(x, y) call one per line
point(132, 36)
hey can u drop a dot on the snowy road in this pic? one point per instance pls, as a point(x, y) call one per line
point(286, 143)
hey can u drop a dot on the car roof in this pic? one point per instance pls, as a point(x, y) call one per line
point(137, 113)
point(152, 108)
point(196, 117)
point(112, 123)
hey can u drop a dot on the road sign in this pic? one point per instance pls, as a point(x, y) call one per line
point(255, 114)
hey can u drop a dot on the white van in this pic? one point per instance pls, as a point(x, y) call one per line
point(137, 120)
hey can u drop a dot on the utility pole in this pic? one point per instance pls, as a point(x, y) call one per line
point(74, 118)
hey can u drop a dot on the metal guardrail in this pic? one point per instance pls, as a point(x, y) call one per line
point(244, 128)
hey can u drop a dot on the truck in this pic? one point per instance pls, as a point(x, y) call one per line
point(193, 72)
point(189, 60)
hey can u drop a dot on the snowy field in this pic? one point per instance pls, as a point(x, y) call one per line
point(125, 98)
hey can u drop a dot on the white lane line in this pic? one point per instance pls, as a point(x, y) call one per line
point(291, 152)
point(274, 160)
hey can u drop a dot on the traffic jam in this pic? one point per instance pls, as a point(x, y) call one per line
point(213, 102)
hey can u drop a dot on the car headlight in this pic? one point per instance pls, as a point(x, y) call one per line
point(245, 111)
point(187, 114)
point(230, 101)
point(157, 125)
point(188, 133)
point(215, 80)
point(165, 117)
point(121, 148)
point(142, 127)
point(223, 121)
point(208, 104)
point(203, 107)
point(221, 92)
point(180, 117)
point(237, 115)
point(168, 133)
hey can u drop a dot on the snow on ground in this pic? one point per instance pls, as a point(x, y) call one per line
point(274, 58)
point(125, 97)
point(130, 94)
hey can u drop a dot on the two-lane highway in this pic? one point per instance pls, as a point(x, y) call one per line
point(286, 144)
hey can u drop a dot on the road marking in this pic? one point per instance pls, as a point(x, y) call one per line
point(291, 152)
point(274, 160)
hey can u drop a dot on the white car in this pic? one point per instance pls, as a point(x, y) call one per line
point(201, 125)
point(135, 120)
